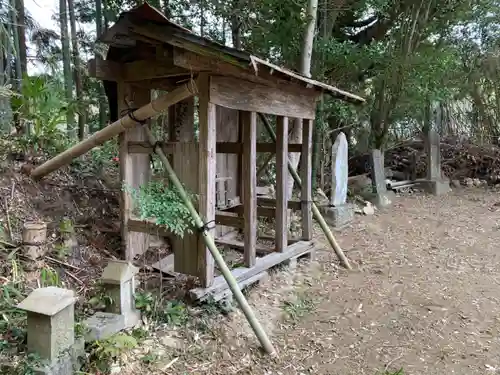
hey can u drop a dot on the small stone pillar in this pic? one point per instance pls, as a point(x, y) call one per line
point(435, 183)
point(381, 196)
point(118, 279)
point(34, 237)
point(51, 329)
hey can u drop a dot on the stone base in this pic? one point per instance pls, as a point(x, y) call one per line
point(383, 199)
point(436, 187)
point(102, 325)
point(338, 216)
point(68, 363)
point(132, 318)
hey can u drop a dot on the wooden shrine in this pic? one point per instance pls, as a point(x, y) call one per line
point(232, 87)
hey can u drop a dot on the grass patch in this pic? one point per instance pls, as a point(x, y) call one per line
point(298, 308)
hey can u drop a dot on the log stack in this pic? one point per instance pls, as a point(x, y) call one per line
point(459, 160)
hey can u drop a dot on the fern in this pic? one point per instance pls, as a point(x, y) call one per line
point(163, 204)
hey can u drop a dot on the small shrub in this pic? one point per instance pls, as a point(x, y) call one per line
point(102, 353)
point(163, 204)
point(163, 312)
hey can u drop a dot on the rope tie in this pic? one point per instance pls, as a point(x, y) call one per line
point(207, 226)
point(130, 113)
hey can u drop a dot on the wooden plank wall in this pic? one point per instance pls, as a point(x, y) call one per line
point(134, 170)
point(227, 164)
point(185, 164)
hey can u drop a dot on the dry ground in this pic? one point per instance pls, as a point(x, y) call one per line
point(425, 297)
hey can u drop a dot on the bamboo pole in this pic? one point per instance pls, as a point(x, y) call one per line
point(143, 113)
point(209, 241)
point(317, 215)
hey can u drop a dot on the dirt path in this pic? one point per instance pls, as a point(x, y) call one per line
point(426, 299)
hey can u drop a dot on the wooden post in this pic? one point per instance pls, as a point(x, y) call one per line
point(181, 121)
point(306, 178)
point(134, 169)
point(281, 183)
point(206, 178)
point(185, 163)
point(249, 123)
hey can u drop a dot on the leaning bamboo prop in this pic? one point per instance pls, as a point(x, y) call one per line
point(209, 241)
point(128, 121)
point(317, 215)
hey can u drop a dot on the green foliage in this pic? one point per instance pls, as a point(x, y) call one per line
point(12, 319)
point(399, 372)
point(163, 204)
point(100, 299)
point(43, 109)
point(103, 352)
point(25, 366)
point(49, 277)
point(298, 308)
point(100, 160)
point(172, 313)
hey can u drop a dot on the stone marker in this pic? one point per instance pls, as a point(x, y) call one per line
point(50, 330)
point(435, 183)
point(102, 325)
point(118, 279)
point(381, 196)
point(339, 171)
point(339, 213)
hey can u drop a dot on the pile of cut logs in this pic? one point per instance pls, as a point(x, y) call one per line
point(459, 160)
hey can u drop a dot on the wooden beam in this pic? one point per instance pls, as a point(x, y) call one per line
point(148, 226)
point(221, 147)
point(105, 70)
point(133, 71)
point(306, 178)
point(271, 202)
point(206, 175)
point(296, 250)
point(135, 170)
point(291, 240)
point(281, 183)
point(248, 96)
point(229, 219)
point(146, 148)
point(240, 246)
point(267, 212)
point(249, 124)
point(151, 69)
point(197, 62)
point(237, 148)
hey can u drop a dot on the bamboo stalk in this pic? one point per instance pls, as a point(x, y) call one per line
point(209, 241)
point(317, 215)
point(157, 106)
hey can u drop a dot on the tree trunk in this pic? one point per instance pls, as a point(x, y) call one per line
point(68, 84)
point(21, 32)
point(17, 73)
point(166, 9)
point(304, 69)
point(202, 18)
point(235, 20)
point(106, 21)
point(102, 94)
point(77, 73)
